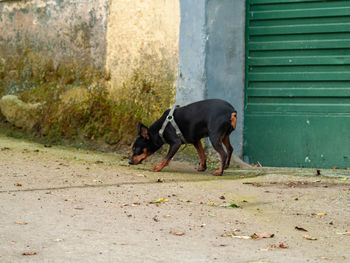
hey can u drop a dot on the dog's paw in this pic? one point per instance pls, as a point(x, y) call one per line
point(201, 168)
point(218, 172)
point(156, 168)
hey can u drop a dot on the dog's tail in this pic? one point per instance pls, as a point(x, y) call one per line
point(234, 119)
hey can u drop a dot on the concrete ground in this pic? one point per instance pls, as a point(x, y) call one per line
point(59, 204)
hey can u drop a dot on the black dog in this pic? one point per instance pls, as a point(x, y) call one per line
point(212, 118)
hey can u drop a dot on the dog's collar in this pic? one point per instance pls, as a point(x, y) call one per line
point(170, 118)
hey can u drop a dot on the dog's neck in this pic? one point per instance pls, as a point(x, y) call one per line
point(153, 132)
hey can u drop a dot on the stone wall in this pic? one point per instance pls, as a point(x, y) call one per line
point(59, 29)
point(191, 84)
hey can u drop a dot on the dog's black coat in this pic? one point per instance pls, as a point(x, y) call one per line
point(211, 118)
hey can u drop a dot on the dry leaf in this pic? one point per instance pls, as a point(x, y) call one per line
point(160, 200)
point(184, 200)
point(300, 229)
point(98, 181)
point(227, 234)
point(254, 236)
point(18, 184)
point(319, 214)
point(178, 233)
point(281, 245)
point(273, 246)
point(242, 237)
point(21, 223)
point(307, 237)
point(230, 205)
point(345, 233)
point(232, 234)
point(29, 253)
point(261, 235)
point(120, 243)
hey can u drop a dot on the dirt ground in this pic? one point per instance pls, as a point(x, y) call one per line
point(59, 204)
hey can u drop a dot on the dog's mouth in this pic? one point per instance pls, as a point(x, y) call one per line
point(137, 159)
point(135, 163)
point(140, 161)
point(140, 158)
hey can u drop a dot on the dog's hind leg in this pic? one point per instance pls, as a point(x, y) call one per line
point(229, 149)
point(217, 144)
point(203, 165)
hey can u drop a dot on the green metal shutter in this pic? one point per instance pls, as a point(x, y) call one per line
point(297, 97)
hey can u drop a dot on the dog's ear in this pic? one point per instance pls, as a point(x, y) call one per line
point(143, 131)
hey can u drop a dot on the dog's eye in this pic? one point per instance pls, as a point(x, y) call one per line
point(133, 149)
point(137, 150)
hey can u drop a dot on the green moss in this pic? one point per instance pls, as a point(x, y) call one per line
point(2, 117)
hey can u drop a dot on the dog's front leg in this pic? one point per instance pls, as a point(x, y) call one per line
point(172, 150)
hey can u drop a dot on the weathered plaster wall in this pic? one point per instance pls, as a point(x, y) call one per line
point(142, 33)
point(139, 32)
point(60, 29)
point(211, 56)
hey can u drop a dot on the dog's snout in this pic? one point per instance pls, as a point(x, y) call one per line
point(131, 162)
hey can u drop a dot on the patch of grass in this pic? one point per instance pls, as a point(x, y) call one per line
point(77, 104)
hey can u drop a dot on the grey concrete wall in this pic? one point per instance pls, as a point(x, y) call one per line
point(192, 44)
point(218, 42)
point(225, 58)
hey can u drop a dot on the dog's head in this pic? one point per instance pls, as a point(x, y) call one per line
point(141, 148)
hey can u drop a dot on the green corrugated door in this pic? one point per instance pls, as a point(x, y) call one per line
point(297, 108)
